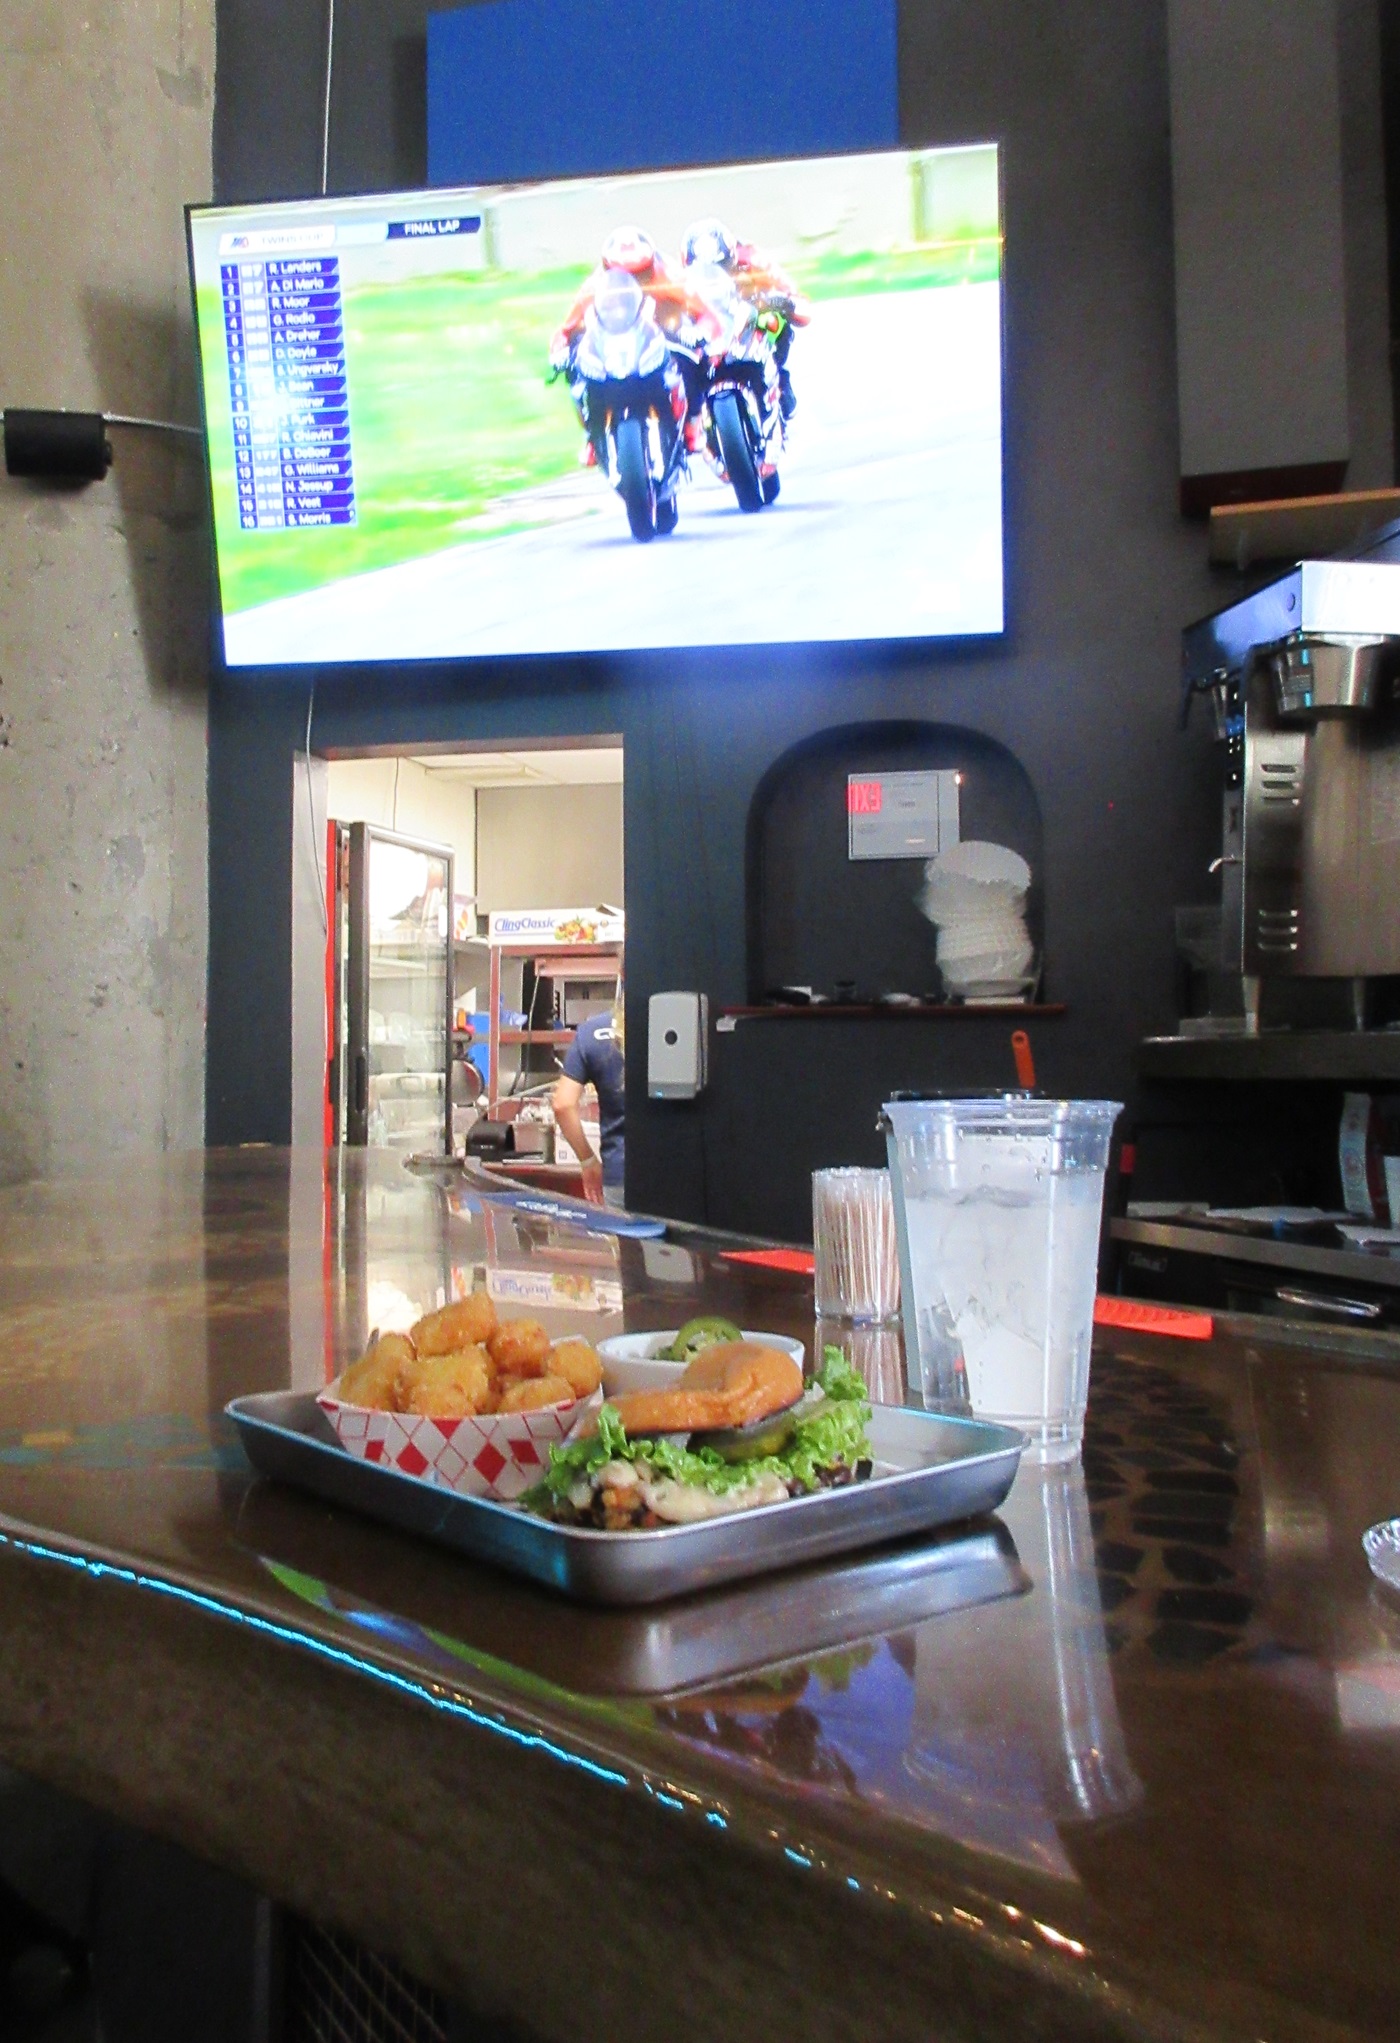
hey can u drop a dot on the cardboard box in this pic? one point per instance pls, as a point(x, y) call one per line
point(583, 927)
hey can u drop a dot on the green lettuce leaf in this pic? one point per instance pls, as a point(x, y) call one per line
point(830, 1430)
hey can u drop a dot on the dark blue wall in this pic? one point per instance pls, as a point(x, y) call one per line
point(1101, 576)
point(521, 89)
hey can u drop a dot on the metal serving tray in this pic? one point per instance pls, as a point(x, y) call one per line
point(929, 1471)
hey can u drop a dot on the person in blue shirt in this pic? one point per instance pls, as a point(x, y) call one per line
point(597, 1057)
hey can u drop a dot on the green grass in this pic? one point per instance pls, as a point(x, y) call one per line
point(452, 421)
point(923, 267)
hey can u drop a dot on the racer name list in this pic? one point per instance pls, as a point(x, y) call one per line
point(286, 374)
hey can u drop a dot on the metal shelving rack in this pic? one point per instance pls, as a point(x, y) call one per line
point(580, 961)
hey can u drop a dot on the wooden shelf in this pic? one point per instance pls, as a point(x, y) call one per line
point(550, 954)
point(1000, 1010)
point(1297, 528)
point(584, 961)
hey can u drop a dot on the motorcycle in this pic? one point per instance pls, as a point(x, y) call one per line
point(743, 420)
point(631, 398)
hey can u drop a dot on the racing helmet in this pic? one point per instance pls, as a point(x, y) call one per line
point(708, 241)
point(627, 248)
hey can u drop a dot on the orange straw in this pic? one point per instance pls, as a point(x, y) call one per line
point(1025, 1063)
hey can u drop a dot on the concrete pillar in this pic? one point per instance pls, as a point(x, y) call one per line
point(105, 132)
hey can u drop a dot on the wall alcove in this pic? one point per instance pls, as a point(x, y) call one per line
point(818, 918)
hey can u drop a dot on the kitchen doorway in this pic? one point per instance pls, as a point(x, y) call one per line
point(473, 920)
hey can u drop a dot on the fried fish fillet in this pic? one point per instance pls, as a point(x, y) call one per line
point(730, 1383)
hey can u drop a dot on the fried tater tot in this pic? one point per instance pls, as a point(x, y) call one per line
point(446, 1386)
point(533, 1393)
point(466, 1323)
point(519, 1347)
point(578, 1364)
point(374, 1378)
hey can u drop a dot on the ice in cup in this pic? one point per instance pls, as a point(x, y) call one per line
point(998, 1204)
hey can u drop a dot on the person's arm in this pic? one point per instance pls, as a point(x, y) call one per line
point(566, 1096)
point(571, 326)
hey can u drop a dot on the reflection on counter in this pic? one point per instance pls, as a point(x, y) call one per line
point(1368, 1683)
point(876, 1352)
point(992, 1724)
point(747, 1635)
point(1161, 1467)
point(401, 1243)
point(1016, 1731)
point(546, 1290)
point(1085, 1765)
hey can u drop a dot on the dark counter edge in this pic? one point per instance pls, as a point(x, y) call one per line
point(222, 1725)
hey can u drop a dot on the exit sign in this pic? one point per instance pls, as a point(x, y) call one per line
point(901, 815)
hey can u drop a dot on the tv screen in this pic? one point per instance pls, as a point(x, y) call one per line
point(740, 405)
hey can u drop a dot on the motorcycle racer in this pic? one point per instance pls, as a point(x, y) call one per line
point(627, 384)
point(680, 314)
point(781, 306)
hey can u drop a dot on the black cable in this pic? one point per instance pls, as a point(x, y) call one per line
point(698, 837)
point(326, 111)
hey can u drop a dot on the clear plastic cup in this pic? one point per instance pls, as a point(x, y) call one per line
point(857, 1258)
point(998, 1203)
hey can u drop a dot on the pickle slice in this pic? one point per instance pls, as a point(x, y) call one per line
point(701, 1333)
point(753, 1442)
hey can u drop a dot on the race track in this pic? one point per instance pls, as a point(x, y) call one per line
point(888, 525)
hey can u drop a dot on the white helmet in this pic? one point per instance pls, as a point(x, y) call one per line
point(708, 241)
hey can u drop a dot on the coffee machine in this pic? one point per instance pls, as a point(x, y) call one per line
point(1304, 680)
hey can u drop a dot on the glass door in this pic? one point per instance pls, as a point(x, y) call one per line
point(399, 992)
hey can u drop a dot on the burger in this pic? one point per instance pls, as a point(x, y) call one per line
point(738, 1430)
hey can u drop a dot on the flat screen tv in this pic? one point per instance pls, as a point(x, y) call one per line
point(749, 404)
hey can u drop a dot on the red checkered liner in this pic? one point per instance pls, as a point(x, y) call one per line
point(497, 1456)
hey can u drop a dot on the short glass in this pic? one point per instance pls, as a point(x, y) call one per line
point(998, 1204)
point(857, 1256)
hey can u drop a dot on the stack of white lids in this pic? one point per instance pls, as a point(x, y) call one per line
point(976, 895)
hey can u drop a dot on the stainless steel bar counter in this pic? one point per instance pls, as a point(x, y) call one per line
point(1122, 1762)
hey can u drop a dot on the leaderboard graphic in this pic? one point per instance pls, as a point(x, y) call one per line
point(288, 397)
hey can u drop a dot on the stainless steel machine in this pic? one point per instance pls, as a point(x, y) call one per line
point(1304, 681)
